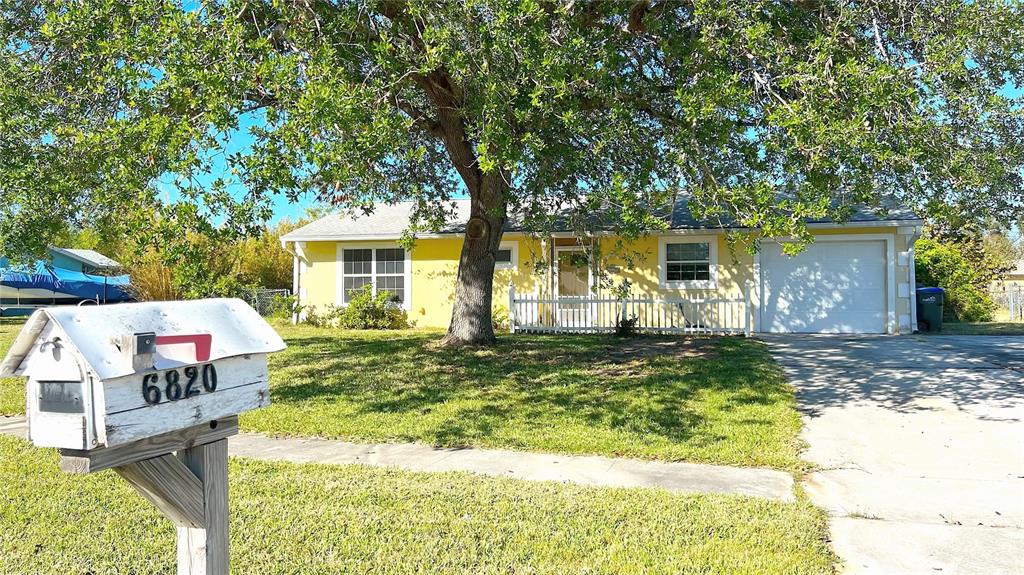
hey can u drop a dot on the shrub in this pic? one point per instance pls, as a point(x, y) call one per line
point(152, 280)
point(328, 317)
point(626, 326)
point(262, 260)
point(500, 318)
point(364, 311)
point(281, 306)
point(942, 264)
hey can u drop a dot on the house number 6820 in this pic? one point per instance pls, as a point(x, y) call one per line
point(174, 388)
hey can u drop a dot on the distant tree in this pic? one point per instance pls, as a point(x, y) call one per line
point(989, 252)
point(261, 261)
point(764, 112)
point(1001, 253)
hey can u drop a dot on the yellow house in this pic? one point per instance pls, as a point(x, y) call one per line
point(856, 277)
point(1011, 280)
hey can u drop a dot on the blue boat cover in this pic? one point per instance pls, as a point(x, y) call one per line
point(76, 284)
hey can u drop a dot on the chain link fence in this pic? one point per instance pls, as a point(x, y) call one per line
point(268, 301)
point(1010, 298)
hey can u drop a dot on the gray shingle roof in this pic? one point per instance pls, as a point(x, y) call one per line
point(384, 222)
point(389, 221)
point(87, 257)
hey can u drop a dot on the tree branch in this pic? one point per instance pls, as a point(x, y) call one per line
point(419, 118)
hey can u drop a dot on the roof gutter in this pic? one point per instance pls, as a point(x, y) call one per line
point(569, 234)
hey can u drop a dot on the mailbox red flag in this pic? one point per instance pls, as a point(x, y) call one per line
point(202, 342)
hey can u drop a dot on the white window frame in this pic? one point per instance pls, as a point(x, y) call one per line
point(340, 264)
point(514, 264)
point(710, 283)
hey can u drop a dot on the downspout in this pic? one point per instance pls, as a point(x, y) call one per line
point(545, 284)
point(912, 239)
point(295, 281)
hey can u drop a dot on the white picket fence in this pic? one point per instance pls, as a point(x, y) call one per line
point(531, 313)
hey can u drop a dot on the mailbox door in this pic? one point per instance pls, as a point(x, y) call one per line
point(57, 414)
point(58, 395)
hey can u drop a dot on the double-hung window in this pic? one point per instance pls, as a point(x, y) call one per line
point(507, 256)
point(688, 264)
point(384, 269)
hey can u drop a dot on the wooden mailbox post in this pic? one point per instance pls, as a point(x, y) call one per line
point(152, 391)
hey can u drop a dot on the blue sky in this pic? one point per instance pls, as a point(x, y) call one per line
point(240, 140)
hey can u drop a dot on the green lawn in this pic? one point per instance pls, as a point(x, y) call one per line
point(718, 400)
point(12, 391)
point(979, 328)
point(313, 519)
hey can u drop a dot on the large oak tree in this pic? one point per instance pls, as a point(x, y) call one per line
point(764, 113)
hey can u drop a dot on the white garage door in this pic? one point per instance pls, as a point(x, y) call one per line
point(831, 287)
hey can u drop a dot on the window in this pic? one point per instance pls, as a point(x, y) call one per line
point(382, 268)
point(507, 256)
point(688, 264)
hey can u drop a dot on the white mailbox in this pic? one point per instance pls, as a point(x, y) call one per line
point(103, 376)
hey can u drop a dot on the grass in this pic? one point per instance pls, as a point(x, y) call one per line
point(719, 400)
point(313, 519)
point(981, 328)
point(12, 391)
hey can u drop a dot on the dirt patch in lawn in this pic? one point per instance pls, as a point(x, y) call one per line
point(632, 355)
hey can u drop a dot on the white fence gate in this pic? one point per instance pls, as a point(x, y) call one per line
point(531, 313)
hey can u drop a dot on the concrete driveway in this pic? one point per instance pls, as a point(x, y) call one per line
point(920, 445)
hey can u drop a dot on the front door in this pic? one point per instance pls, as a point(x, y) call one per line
point(573, 288)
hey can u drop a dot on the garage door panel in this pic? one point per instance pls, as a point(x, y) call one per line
point(832, 287)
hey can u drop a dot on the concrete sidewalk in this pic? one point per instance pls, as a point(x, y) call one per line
point(584, 470)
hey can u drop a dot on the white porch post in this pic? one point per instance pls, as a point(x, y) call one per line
point(748, 314)
point(511, 307)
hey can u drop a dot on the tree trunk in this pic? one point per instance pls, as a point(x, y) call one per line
point(471, 312)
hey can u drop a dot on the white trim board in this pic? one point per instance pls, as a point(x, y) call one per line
point(894, 224)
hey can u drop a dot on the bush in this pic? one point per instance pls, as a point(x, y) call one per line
point(626, 327)
point(281, 306)
point(262, 260)
point(499, 318)
point(152, 280)
point(942, 264)
point(364, 311)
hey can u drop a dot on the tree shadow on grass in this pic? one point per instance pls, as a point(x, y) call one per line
point(648, 387)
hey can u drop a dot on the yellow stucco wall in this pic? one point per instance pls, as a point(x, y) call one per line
point(318, 284)
point(643, 272)
point(434, 265)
